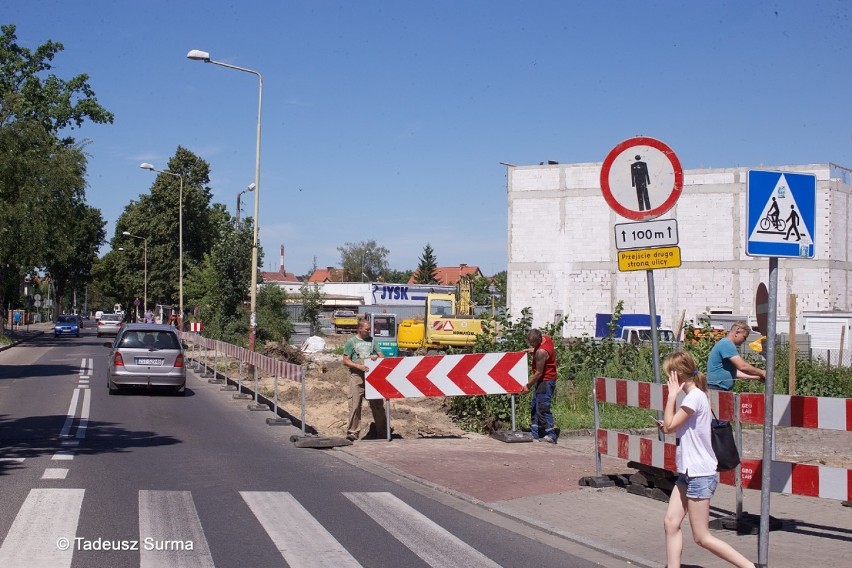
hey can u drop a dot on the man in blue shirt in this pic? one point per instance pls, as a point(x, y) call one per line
point(725, 364)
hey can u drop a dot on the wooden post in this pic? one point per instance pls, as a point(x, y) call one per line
point(842, 340)
point(791, 387)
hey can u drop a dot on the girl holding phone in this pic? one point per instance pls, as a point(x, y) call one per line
point(696, 462)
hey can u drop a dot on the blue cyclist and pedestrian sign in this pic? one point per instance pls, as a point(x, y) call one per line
point(781, 209)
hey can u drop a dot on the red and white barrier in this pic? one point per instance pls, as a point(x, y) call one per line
point(446, 375)
point(799, 411)
point(196, 327)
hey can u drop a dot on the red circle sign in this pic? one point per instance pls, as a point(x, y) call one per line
point(641, 178)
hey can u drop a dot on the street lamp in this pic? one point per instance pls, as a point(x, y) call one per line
point(147, 166)
point(246, 190)
point(197, 55)
point(145, 263)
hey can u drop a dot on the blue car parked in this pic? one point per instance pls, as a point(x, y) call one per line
point(67, 324)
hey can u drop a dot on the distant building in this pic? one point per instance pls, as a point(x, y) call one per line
point(562, 259)
point(287, 281)
point(450, 275)
point(329, 274)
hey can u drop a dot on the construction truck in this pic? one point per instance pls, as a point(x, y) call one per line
point(448, 321)
point(344, 320)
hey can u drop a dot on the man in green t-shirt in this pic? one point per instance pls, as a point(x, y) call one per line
point(358, 349)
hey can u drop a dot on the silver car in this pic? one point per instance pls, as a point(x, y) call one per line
point(147, 355)
point(109, 324)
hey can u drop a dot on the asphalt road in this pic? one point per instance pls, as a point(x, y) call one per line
point(201, 481)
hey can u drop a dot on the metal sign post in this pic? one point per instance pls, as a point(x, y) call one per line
point(781, 222)
point(768, 428)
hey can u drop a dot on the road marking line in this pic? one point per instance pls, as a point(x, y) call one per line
point(46, 516)
point(63, 455)
point(86, 367)
point(435, 545)
point(170, 517)
point(69, 417)
point(299, 537)
point(70, 442)
point(84, 414)
point(55, 473)
point(12, 460)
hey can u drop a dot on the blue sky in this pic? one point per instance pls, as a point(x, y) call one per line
point(388, 120)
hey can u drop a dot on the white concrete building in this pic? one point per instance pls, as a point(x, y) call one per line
point(562, 258)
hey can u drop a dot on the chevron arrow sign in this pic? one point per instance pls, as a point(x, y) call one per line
point(446, 375)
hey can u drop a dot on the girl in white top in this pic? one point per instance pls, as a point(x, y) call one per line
point(696, 462)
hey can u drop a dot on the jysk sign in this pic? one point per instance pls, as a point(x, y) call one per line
point(781, 208)
point(404, 294)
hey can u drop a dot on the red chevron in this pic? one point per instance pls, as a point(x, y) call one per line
point(500, 372)
point(419, 376)
point(377, 377)
point(460, 374)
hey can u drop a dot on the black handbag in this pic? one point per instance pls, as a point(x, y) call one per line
point(724, 446)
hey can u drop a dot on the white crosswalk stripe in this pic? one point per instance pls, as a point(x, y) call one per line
point(302, 541)
point(35, 537)
point(171, 534)
point(436, 546)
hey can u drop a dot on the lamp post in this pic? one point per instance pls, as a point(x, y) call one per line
point(197, 55)
point(145, 264)
point(246, 190)
point(147, 166)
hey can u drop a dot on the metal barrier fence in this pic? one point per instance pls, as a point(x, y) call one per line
point(832, 357)
point(823, 413)
point(275, 367)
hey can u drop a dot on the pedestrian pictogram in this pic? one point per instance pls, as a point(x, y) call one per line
point(641, 178)
point(781, 214)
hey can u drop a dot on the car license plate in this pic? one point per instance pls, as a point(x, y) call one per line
point(149, 361)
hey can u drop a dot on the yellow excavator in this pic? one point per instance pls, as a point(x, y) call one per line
point(448, 321)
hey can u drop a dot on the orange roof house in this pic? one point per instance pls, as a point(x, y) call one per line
point(449, 275)
point(329, 274)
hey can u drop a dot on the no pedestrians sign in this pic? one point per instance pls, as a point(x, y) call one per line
point(641, 178)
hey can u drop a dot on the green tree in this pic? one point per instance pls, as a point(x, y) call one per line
point(427, 269)
point(42, 177)
point(155, 216)
point(365, 260)
point(397, 276)
point(26, 93)
point(312, 302)
point(273, 323)
point(74, 249)
point(483, 290)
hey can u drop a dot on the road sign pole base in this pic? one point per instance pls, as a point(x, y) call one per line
point(254, 406)
point(241, 395)
point(216, 381)
point(228, 388)
point(279, 421)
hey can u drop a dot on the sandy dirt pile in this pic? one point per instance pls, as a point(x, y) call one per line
point(327, 396)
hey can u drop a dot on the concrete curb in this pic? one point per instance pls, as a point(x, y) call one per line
point(30, 335)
